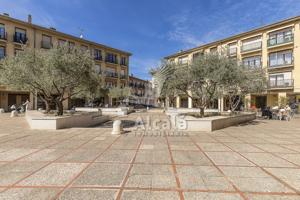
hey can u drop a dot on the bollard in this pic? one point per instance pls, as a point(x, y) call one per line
point(14, 113)
point(1, 110)
point(117, 128)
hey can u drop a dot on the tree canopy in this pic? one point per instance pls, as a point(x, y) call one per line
point(55, 75)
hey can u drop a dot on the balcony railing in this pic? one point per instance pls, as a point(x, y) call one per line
point(123, 76)
point(251, 46)
point(20, 38)
point(46, 44)
point(3, 36)
point(280, 64)
point(280, 40)
point(98, 57)
point(232, 51)
point(285, 83)
point(111, 74)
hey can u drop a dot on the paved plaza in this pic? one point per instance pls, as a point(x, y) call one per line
point(259, 161)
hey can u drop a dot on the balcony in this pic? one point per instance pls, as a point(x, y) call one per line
point(20, 38)
point(280, 40)
point(283, 64)
point(281, 84)
point(122, 76)
point(232, 51)
point(251, 47)
point(98, 57)
point(46, 45)
point(111, 61)
point(111, 74)
point(3, 36)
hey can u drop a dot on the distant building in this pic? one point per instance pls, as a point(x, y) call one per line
point(142, 92)
point(14, 33)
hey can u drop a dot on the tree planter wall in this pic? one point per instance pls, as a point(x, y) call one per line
point(37, 120)
point(210, 124)
point(108, 111)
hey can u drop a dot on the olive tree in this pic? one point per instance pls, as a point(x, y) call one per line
point(55, 75)
point(120, 93)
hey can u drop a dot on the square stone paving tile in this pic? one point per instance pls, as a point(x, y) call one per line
point(243, 147)
point(86, 194)
point(295, 147)
point(15, 171)
point(29, 194)
point(226, 139)
point(203, 138)
point(190, 157)
point(14, 154)
point(253, 179)
point(228, 158)
point(68, 144)
point(113, 155)
point(45, 155)
point(213, 147)
point(273, 148)
point(294, 158)
point(149, 195)
point(100, 174)
point(96, 144)
point(202, 177)
point(130, 144)
point(151, 176)
point(81, 155)
point(175, 145)
point(289, 175)
point(153, 156)
point(272, 197)
point(158, 143)
point(55, 174)
point(267, 160)
point(210, 196)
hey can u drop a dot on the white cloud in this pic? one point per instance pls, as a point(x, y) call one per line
point(140, 67)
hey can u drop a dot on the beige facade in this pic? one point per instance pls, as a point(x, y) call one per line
point(142, 92)
point(112, 62)
point(274, 47)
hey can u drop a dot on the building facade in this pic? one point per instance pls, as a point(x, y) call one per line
point(274, 47)
point(141, 92)
point(14, 33)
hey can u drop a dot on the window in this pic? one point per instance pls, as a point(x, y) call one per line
point(20, 36)
point(84, 48)
point(112, 58)
point(2, 52)
point(61, 42)
point(123, 61)
point(71, 45)
point(281, 80)
point(281, 58)
point(232, 49)
point(252, 62)
point(183, 60)
point(97, 54)
point(251, 44)
point(280, 37)
point(46, 42)
point(196, 55)
point(213, 50)
point(2, 32)
point(110, 72)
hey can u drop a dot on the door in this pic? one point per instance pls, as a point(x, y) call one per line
point(261, 102)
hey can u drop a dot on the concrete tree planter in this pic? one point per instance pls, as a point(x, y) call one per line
point(38, 120)
point(209, 124)
point(120, 111)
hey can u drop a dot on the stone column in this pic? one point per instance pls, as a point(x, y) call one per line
point(221, 104)
point(190, 100)
point(167, 102)
point(178, 102)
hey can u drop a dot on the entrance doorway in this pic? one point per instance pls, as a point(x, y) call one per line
point(260, 102)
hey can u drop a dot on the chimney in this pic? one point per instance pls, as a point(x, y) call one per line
point(29, 19)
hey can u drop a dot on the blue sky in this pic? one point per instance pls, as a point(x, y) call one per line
point(152, 29)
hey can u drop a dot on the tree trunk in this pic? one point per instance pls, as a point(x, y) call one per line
point(201, 112)
point(60, 108)
point(47, 107)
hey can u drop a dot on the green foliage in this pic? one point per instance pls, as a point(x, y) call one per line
point(119, 93)
point(208, 77)
point(56, 74)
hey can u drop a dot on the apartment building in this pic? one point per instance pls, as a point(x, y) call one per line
point(274, 47)
point(141, 92)
point(14, 33)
